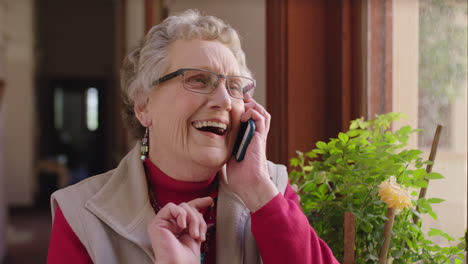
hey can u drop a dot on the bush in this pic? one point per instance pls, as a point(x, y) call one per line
point(343, 174)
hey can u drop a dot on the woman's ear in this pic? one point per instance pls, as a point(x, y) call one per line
point(143, 114)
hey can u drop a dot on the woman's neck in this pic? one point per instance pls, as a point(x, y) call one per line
point(166, 189)
point(183, 171)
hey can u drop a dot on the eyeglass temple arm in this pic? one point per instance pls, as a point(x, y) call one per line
point(169, 76)
point(249, 88)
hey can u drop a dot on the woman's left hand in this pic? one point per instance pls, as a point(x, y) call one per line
point(250, 179)
point(177, 231)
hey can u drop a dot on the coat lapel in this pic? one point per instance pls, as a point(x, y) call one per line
point(231, 218)
point(123, 202)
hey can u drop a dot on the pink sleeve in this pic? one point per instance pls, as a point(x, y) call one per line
point(65, 246)
point(284, 234)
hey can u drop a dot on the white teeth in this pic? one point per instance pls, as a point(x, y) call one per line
point(200, 124)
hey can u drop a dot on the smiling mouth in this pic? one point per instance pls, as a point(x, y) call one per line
point(211, 126)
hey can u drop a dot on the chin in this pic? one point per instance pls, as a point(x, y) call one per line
point(212, 158)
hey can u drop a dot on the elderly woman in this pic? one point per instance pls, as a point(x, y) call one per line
point(180, 196)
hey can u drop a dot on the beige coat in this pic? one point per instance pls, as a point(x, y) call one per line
point(110, 212)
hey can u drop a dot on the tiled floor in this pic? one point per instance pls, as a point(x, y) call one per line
point(28, 236)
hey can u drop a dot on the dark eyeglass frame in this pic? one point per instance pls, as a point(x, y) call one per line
point(182, 71)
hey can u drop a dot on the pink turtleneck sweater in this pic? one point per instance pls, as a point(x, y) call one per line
point(282, 231)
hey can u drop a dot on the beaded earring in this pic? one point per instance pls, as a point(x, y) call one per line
point(144, 145)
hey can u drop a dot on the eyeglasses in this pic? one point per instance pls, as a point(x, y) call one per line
point(205, 82)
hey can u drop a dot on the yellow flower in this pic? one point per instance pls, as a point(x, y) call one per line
point(393, 195)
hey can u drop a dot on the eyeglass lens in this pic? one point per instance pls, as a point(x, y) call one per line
point(206, 82)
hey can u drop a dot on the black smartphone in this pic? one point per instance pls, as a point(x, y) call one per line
point(246, 133)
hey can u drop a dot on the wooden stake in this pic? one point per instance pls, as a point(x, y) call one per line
point(432, 155)
point(349, 237)
point(387, 235)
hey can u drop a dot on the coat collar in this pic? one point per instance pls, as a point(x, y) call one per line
point(123, 203)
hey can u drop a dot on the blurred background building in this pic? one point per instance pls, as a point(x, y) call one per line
point(318, 65)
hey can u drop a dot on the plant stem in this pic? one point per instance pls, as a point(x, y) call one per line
point(387, 235)
point(432, 155)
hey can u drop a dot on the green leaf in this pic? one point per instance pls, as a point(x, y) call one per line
point(321, 145)
point(405, 130)
point(309, 187)
point(353, 133)
point(428, 162)
point(294, 162)
point(319, 151)
point(323, 189)
point(420, 183)
point(435, 200)
point(432, 214)
point(343, 137)
point(339, 145)
point(419, 174)
point(409, 242)
point(366, 227)
point(434, 176)
point(418, 164)
point(336, 151)
point(311, 154)
point(437, 232)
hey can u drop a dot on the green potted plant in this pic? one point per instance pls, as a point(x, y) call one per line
point(344, 174)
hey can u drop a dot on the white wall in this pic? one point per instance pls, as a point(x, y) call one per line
point(19, 114)
point(248, 17)
point(406, 63)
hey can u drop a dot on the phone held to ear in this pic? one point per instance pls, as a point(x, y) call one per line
point(246, 133)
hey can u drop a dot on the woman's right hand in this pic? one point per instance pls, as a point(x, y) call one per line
point(177, 231)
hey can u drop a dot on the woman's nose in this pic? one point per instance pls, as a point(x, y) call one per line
point(220, 97)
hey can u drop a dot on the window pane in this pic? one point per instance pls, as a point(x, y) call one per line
point(92, 106)
point(442, 71)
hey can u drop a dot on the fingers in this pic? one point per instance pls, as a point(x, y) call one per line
point(257, 106)
point(173, 212)
point(183, 218)
point(201, 203)
point(198, 204)
point(257, 118)
point(256, 112)
point(196, 222)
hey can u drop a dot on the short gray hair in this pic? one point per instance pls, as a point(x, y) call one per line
point(149, 60)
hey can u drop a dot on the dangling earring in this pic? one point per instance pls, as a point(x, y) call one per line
point(144, 145)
